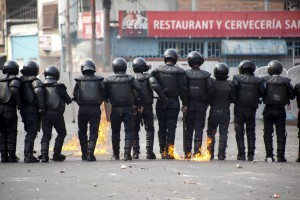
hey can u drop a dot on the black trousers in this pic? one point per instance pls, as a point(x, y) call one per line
point(56, 120)
point(31, 120)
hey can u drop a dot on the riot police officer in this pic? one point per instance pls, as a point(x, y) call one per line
point(169, 82)
point(88, 93)
point(146, 116)
point(119, 89)
point(9, 103)
point(199, 92)
point(32, 93)
point(278, 93)
point(56, 97)
point(249, 90)
point(297, 93)
point(219, 114)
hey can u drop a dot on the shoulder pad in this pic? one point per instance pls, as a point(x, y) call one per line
point(36, 83)
point(15, 83)
point(119, 78)
point(141, 77)
point(28, 78)
point(171, 69)
point(89, 78)
point(277, 80)
point(248, 79)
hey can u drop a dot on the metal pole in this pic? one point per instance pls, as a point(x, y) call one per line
point(63, 49)
point(93, 39)
point(106, 35)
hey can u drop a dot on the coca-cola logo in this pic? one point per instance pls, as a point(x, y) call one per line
point(134, 21)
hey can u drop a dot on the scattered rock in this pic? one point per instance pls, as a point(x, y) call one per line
point(123, 167)
point(189, 182)
point(238, 166)
point(178, 173)
point(62, 172)
point(95, 185)
point(276, 196)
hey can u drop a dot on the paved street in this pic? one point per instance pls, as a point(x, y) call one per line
point(154, 179)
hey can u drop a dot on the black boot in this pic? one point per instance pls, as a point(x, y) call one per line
point(188, 149)
point(116, 150)
point(136, 149)
point(211, 147)
point(269, 151)
point(241, 150)
point(57, 156)
point(197, 146)
point(149, 148)
point(222, 150)
point(12, 153)
point(127, 150)
point(90, 151)
point(170, 150)
point(4, 153)
point(251, 149)
point(84, 146)
point(44, 152)
point(28, 154)
point(281, 152)
point(162, 145)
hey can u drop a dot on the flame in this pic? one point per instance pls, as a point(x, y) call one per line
point(102, 142)
point(172, 152)
point(204, 154)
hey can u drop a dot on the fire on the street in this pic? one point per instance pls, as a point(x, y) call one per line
point(204, 154)
point(102, 145)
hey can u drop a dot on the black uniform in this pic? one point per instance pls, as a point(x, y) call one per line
point(56, 97)
point(9, 101)
point(32, 95)
point(88, 93)
point(249, 90)
point(145, 118)
point(297, 94)
point(278, 93)
point(119, 89)
point(199, 89)
point(219, 114)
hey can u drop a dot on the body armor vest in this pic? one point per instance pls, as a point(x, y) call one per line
point(120, 90)
point(143, 79)
point(5, 92)
point(51, 97)
point(276, 91)
point(197, 84)
point(89, 91)
point(27, 91)
point(248, 90)
point(168, 79)
point(222, 95)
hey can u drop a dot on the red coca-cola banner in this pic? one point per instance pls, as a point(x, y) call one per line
point(209, 24)
point(85, 25)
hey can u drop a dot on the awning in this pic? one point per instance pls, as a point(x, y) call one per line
point(254, 47)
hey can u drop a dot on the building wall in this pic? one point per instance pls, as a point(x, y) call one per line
point(24, 48)
point(230, 5)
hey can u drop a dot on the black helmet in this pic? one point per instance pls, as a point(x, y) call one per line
point(246, 66)
point(171, 55)
point(119, 65)
point(195, 58)
point(31, 68)
point(11, 67)
point(275, 67)
point(139, 65)
point(88, 65)
point(51, 72)
point(221, 71)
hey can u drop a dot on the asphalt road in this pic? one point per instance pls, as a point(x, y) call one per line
point(154, 179)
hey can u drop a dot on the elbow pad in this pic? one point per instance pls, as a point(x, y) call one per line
point(39, 91)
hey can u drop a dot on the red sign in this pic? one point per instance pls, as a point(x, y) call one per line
point(214, 24)
point(85, 25)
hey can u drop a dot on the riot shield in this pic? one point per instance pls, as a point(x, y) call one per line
point(294, 75)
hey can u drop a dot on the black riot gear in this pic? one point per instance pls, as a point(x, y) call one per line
point(199, 84)
point(275, 67)
point(11, 67)
point(246, 66)
point(31, 68)
point(88, 65)
point(119, 65)
point(51, 72)
point(195, 58)
point(139, 65)
point(221, 71)
point(171, 55)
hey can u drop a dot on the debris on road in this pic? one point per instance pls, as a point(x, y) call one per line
point(123, 167)
point(238, 166)
point(189, 182)
point(276, 196)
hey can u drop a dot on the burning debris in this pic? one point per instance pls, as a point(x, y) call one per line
point(102, 142)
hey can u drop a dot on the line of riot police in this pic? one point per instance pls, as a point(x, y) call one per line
point(131, 98)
